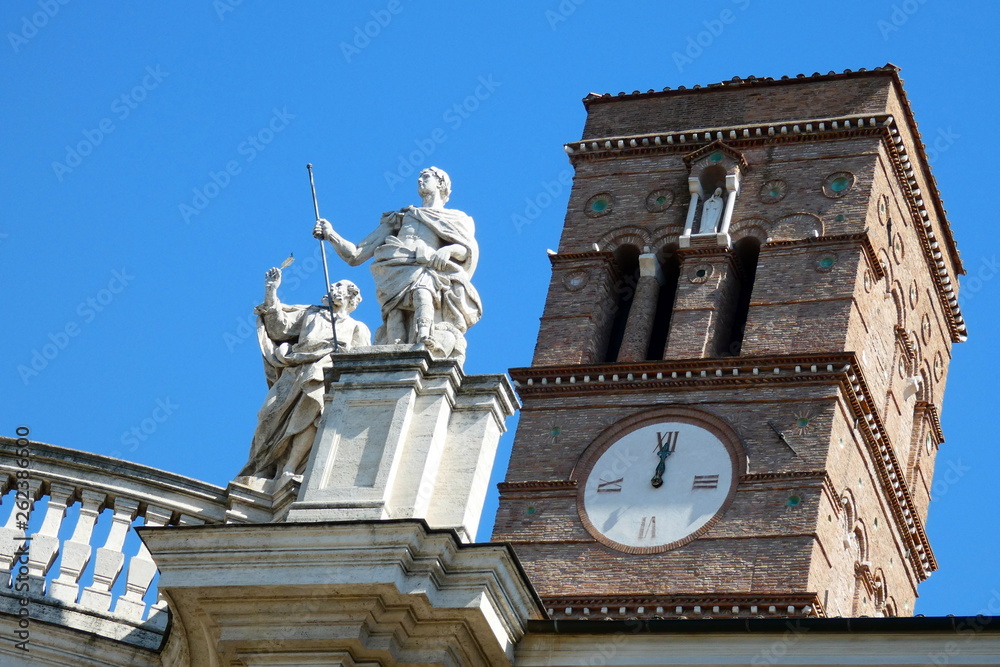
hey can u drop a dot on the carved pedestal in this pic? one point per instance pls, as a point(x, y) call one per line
point(404, 436)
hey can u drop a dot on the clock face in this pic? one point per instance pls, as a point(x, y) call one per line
point(657, 487)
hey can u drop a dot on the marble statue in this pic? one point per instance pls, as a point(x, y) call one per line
point(423, 261)
point(711, 213)
point(296, 342)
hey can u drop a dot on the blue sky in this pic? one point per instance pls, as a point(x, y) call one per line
point(153, 169)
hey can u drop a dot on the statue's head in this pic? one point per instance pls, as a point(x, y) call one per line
point(718, 192)
point(344, 292)
point(433, 177)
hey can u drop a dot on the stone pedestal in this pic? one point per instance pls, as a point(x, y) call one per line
point(404, 436)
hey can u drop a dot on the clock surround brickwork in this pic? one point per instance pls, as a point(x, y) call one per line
point(840, 549)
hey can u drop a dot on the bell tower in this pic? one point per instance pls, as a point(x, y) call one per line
point(733, 404)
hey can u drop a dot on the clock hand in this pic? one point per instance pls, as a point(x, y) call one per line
point(664, 448)
point(657, 480)
point(782, 437)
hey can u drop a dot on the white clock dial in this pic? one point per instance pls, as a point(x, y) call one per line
point(656, 487)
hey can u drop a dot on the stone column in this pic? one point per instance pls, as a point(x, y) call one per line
point(707, 291)
point(694, 187)
point(639, 326)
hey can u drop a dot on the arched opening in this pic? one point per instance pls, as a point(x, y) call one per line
point(627, 260)
point(671, 267)
point(747, 251)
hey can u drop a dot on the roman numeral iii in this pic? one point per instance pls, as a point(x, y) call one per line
point(705, 482)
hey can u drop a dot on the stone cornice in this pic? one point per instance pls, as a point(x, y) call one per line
point(838, 369)
point(435, 596)
point(740, 137)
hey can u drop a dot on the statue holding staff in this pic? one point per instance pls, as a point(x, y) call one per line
point(423, 261)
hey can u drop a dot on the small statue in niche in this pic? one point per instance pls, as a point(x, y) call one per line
point(296, 342)
point(711, 213)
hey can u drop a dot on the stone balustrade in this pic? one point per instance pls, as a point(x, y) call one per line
point(43, 561)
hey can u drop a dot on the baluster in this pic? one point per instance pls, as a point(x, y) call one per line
point(13, 532)
point(110, 558)
point(141, 570)
point(158, 612)
point(45, 543)
point(76, 551)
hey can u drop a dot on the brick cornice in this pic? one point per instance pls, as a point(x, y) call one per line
point(697, 605)
point(538, 485)
point(835, 369)
point(757, 477)
point(930, 412)
point(861, 239)
point(590, 256)
point(905, 343)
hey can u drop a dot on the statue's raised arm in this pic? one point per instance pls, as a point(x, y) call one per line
point(423, 261)
point(296, 342)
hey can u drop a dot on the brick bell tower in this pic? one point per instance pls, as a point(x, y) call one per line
point(733, 404)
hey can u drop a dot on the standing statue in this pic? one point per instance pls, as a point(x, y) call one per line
point(711, 213)
point(423, 261)
point(296, 342)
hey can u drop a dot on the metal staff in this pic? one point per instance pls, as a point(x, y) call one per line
point(326, 270)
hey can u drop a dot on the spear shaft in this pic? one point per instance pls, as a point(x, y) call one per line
point(326, 270)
